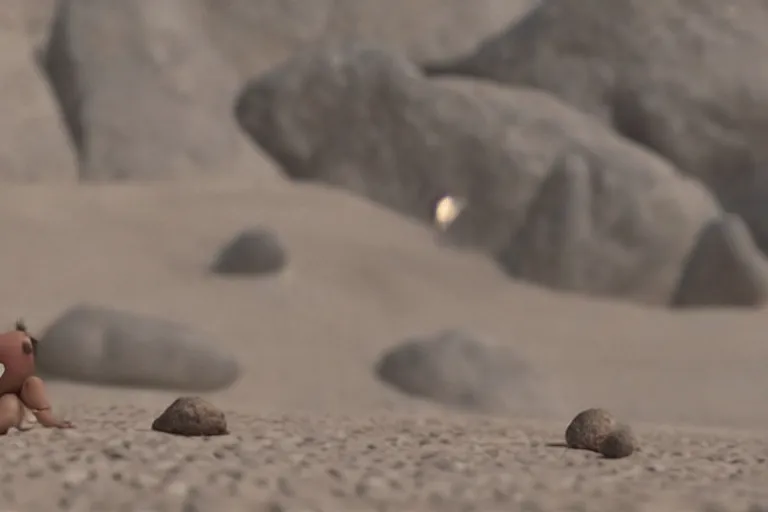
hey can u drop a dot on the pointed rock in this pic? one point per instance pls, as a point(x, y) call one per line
point(725, 268)
point(191, 416)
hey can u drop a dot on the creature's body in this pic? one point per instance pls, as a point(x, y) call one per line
point(20, 389)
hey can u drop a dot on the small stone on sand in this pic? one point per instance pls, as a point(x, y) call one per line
point(589, 428)
point(191, 416)
point(619, 444)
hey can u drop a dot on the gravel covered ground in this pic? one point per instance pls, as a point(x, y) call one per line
point(113, 461)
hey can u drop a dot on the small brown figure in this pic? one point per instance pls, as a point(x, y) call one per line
point(20, 388)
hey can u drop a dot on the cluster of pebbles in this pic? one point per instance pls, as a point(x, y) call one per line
point(594, 429)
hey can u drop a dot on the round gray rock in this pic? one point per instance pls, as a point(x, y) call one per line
point(100, 345)
point(455, 369)
point(254, 251)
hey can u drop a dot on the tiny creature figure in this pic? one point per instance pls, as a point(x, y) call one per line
point(20, 388)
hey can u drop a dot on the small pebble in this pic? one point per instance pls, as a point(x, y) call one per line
point(619, 444)
point(191, 416)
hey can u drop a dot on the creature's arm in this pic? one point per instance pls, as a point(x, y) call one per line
point(34, 398)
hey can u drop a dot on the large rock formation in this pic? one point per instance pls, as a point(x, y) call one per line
point(678, 77)
point(368, 122)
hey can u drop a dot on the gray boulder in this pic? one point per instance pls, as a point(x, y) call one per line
point(144, 94)
point(255, 251)
point(724, 269)
point(369, 122)
point(100, 345)
point(34, 146)
point(678, 77)
point(455, 369)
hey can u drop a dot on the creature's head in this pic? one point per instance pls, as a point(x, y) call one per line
point(17, 351)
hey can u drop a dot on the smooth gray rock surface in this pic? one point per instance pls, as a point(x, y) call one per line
point(454, 368)
point(102, 345)
point(254, 251)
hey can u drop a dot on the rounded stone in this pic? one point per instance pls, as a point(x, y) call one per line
point(588, 429)
point(254, 251)
point(619, 444)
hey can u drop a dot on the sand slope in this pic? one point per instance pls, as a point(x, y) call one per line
point(360, 280)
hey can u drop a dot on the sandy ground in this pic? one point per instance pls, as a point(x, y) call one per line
point(311, 429)
point(393, 462)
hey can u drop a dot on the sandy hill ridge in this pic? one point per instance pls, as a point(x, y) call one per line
point(372, 281)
